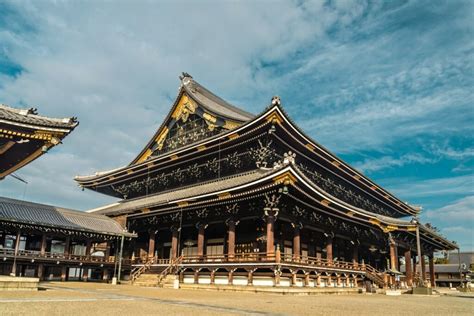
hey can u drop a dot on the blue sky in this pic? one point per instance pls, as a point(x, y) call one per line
point(388, 86)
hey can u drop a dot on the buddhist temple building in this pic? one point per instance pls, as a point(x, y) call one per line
point(44, 241)
point(221, 196)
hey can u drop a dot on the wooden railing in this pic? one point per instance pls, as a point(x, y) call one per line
point(137, 271)
point(171, 269)
point(35, 254)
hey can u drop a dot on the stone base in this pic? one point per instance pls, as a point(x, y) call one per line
point(273, 290)
point(8, 283)
point(393, 292)
point(422, 290)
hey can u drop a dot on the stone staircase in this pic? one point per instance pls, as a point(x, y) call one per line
point(150, 276)
point(147, 280)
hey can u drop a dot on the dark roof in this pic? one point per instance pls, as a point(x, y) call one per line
point(212, 102)
point(12, 210)
point(177, 194)
point(30, 117)
point(441, 268)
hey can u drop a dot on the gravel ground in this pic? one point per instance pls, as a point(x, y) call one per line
point(76, 298)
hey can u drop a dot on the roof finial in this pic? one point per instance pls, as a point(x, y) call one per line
point(276, 100)
point(185, 75)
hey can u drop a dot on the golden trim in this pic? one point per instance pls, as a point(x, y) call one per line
point(174, 157)
point(111, 178)
point(231, 125)
point(351, 214)
point(201, 148)
point(275, 118)
point(183, 204)
point(233, 136)
point(285, 178)
point(130, 171)
point(411, 229)
point(310, 146)
point(210, 118)
point(6, 146)
point(145, 210)
point(356, 176)
point(325, 202)
point(373, 187)
point(224, 195)
point(336, 163)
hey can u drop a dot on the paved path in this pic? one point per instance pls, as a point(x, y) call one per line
point(77, 298)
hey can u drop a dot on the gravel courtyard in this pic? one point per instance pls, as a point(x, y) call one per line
point(73, 298)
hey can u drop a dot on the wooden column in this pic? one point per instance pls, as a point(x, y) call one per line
point(408, 268)
point(231, 239)
point(306, 279)
point(296, 242)
point(43, 244)
point(432, 271)
point(355, 256)
point(329, 256)
point(67, 245)
point(17, 248)
point(423, 267)
point(270, 220)
point(88, 248)
point(196, 277)
point(293, 278)
point(151, 243)
point(230, 277)
point(85, 274)
point(201, 236)
point(393, 256)
point(174, 243)
point(105, 275)
point(318, 280)
point(250, 278)
point(40, 271)
point(63, 273)
point(107, 250)
point(213, 276)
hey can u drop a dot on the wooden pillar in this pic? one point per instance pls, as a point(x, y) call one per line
point(105, 275)
point(151, 243)
point(329, 256)
point(40, 271)
point(338, 280)
point(277, 274)
point(17, 248)
point(318, 280)
point(293, 278)
point(355, 256)
point(196, 277)
point(85, 274)
point(432, 271)
point(296, 242)
point(43, 245)
point(408, 268)
point(230, 277)
point(200, 239)
point(306, 279)
point(393, 256)
point(67, 245)
point(423, 268)
point(107, 250)
point(213, 276)
point(348, 281)
point(250, 278)
point(231, 239)
point(270, 220)
point(63, 273)
point(88, 248)
point(174, 243)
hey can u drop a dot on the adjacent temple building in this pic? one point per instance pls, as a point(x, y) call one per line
point(222, 196)
point(44, 241)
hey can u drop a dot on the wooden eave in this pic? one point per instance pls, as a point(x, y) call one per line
point(272, 115)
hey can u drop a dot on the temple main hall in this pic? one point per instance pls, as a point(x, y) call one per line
point(220, 196)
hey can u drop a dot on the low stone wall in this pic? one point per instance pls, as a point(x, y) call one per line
point(275, 290)
point(8, 283)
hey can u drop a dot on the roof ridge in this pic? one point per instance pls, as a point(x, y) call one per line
point(187, 80)
point(32, 112)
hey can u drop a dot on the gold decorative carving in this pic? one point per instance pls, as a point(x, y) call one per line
point(325, 202)
point(286, 179)
point(224, 195)
point(275, 118)
point(233, 136)
point(310, 146)
point(231, 125)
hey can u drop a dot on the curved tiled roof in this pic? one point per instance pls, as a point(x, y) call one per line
point(46, 215)
point(30, 117)
point(212, 102)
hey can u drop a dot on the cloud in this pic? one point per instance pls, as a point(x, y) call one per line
point(372, 165)
point(409, 188)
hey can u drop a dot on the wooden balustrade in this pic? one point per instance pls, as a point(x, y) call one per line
point(36, 254)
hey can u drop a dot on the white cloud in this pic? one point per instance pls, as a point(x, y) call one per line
point(387, 162)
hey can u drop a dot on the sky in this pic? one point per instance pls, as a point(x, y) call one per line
point(387, 86)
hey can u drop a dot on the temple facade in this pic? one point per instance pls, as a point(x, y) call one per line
point(222, 196)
